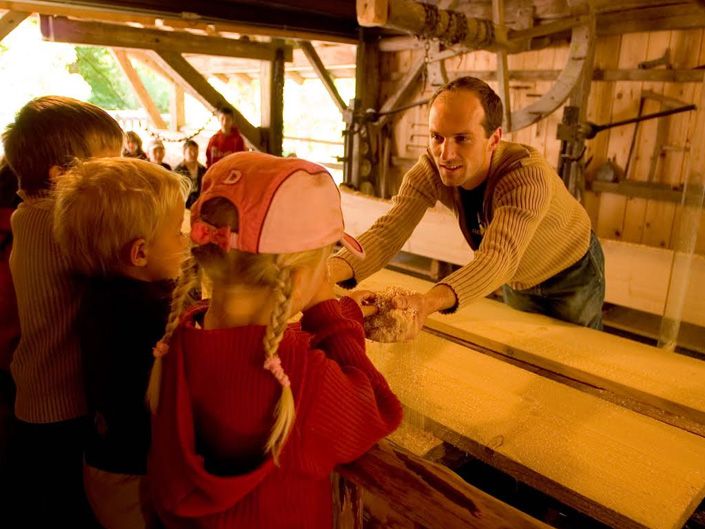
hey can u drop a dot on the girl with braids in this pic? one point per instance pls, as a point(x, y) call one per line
point(251, 413)
point(118, 220)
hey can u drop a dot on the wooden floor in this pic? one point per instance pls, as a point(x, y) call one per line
point(613, 428)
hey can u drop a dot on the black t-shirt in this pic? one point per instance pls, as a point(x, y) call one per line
point(471, 202)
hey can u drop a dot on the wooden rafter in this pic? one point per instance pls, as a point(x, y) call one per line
point(323, 74)
point(60, 29)
point(10, 21)
point(196, 85)
point(272, 104)
point(140, 90)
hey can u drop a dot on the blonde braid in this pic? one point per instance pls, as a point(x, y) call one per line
point(180, 300)
point(284, 412)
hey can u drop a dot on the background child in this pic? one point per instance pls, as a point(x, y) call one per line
point(191, 169)
point(133, 146)
point(48, 134)
point(226, 141)
point(157, 152)
point(253, 414)
point(118, 220)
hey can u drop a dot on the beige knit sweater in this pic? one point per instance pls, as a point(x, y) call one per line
point(537, 228)
point(46, 365)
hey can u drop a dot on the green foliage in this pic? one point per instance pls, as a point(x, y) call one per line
point(110, 89)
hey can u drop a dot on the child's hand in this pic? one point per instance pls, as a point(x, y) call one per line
point(365, 299)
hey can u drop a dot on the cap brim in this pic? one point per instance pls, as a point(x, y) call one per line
point(353, 245)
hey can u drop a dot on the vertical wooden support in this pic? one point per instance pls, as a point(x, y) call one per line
point(139, 88)
point(272, 101)
point(359, 155)
point(502, 67)
point(176, 107)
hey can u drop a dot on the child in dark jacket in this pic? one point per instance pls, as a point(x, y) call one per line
point(252, 414)
point(118, 220)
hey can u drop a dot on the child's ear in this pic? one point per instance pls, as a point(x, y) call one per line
point(137, 253)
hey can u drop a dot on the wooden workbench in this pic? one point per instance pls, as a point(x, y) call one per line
point(605, 425)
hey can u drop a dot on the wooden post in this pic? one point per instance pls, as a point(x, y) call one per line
point(140, 90)
point(272, 104)
point(502, 67)
point(176, 107)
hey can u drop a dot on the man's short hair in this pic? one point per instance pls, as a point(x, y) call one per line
point(104, 204)
point(226, 111)
point(53, 131)
point(190, 143)
point(490, 101)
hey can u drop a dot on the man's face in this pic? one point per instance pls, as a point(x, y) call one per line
point(458, 142)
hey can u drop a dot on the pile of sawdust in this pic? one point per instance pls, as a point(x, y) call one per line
point(390, 324)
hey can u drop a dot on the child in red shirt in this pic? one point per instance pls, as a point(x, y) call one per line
point(252, 413)
point(226, 141)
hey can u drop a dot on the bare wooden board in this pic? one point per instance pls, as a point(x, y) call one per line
point(616, 465)
point(662, 380)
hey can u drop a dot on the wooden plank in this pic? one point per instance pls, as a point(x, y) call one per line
point(117, 13)
point(140, 90)
point(429, 495)
point(60, 29)
point(651, 18)
point(618, 466)
point(195, 84)
point(323, 74)
point(669, 386)
point(10, 21)
point(502, 69)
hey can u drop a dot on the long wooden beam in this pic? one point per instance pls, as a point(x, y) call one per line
point(120, 14)
point(10, 21)
point(323, 74)
point(196, 85)
point(140, 90)
point(61, 29)
point(429, 495)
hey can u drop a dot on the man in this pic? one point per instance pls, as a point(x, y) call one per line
point(226, 141)
point(530, 236)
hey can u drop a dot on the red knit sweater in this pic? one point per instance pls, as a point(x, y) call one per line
point(220, 145)
point(216, 411)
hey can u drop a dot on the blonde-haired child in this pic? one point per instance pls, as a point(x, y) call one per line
point(47, 135)
point(252, 414)
point(118, 220)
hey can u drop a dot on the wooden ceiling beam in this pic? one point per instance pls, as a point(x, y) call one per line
point(197, 85)
point(119, 14)
point(140, 90)
point(61, 29)
point(10, 21)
